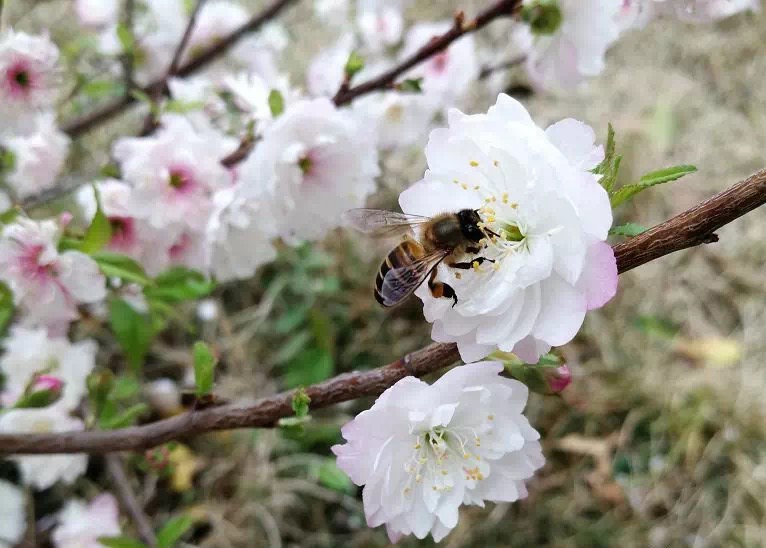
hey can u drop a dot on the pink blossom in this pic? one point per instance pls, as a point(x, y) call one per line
point(47, 285)
point(560, 378)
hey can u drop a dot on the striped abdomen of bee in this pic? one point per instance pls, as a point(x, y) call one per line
point(404, 269)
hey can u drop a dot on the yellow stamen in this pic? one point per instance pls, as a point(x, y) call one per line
point(474, 163)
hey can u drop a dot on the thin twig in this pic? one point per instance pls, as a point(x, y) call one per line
point(128, 57)
point(83, 124)
point(503, 8)
point(688, 229)
point(488, 70)
point(128, 500)
point(150, 122)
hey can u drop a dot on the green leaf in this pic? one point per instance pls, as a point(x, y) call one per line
point(124, 419)
point(7, 160)
point(333, 477)
point(649, 180)
point(312, 366)
point(608, 152)
point(180, 284)
point(293, 422)
point(133, 331)
point(658, 326)
point(177, 106)
point(610, 166)
point(204, 368)
point(276, 103)
point(99, 232)
point(121, 266)
point(99, 89)
point(6, 306)
point(99, 385)
point(291, 319)
point(301, 402)
point(9, 215)
point(127, 41)
point(411, 85)
point(125, 387)
point(628, 229)
point(110, 170)
point(173, 530)
point(121, 542)
point(41, 398)
point(354, 64)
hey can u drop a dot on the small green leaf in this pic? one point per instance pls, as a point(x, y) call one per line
point(124, 419)
point(411, 85)
point(333, 477)
point(173, 530)
point(132, 330)
point(9, 215)
point(6, 306)
point(628, 229)
point(7, 160)
point(354, 64)
point(180, 284)
point(125, 387)
point(127, 41)
point(110, 170)
point(177, 106)
point(121, 542)
point(204, 368)
point(293, 422)
point(41, 398)
point(301, 402)
point(99, 385)
point(649, 180)
point(276, 103)
point(99, 232)
point(121, 266)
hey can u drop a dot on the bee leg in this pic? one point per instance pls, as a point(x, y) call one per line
point(440, 289)
point(467, 265)
point(473, 250)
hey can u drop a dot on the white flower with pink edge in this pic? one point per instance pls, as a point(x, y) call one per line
point(421, 451)
point(28, 78)
point(314, 162)
point(81, 525)
point(38, 156)
point(42, 471)
point(546, 218)
point(174, 172)
point(47, 285)
point(576, 49)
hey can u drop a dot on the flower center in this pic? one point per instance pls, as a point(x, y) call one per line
point(19, 78)
point(30, 266)
point(306, 163)
point(442, 452)
point(123, 232)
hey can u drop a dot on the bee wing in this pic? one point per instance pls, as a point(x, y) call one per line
point(401, 282)
point(382, 223)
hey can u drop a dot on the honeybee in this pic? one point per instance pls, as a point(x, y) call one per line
point(448, 236)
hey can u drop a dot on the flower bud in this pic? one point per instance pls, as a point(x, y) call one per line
point(543, 16)
point(164, 397)
point(43, 391)
point(559, 378)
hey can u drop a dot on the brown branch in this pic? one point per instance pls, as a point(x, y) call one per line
point(489, 70)
point(150, 122)
point(128, 500)
point(81, 125)
point(503, 8)
point(688, 229)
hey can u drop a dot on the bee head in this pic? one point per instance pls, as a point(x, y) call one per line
point(469, 224)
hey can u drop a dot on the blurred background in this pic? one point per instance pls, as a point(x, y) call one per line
point(661, 438)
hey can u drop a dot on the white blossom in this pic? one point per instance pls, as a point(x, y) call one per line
point(13, 514)
point(174, 172)
point(47, 284)
point(314, 162)
point(250, 92)
point(42, 471)
point(80, 525)
point(400, 119)
point(97, 13)
point(28, 78)
point(5, 201)
point(421, 451)
point(216, 20)
point(38, 156)
point(380, 23)
point(577, 48)
point(327, 68)
point(548, 218)
point(448, 75)
point(30, 352)
point(239, 235)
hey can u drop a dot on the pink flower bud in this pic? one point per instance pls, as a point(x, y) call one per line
point(65, 218)
point(559, 379)
point(49, 383)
